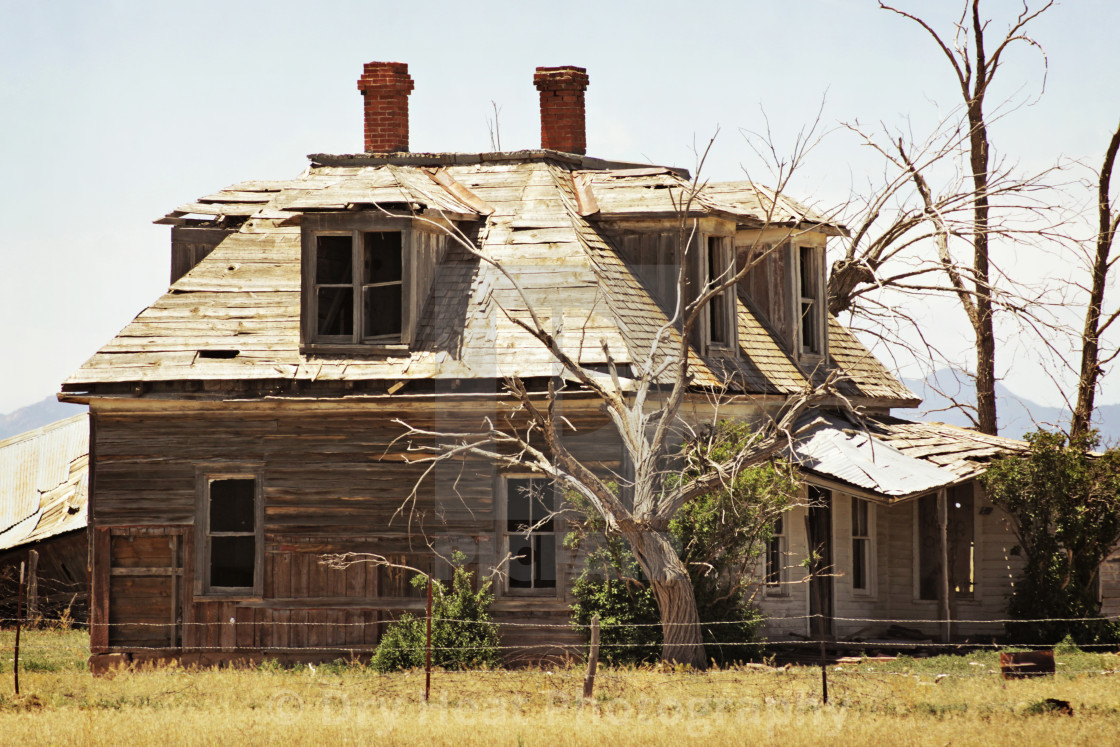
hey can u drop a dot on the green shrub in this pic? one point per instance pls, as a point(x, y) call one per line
point(462, 635)
point(1064, 504)
point(719, 538)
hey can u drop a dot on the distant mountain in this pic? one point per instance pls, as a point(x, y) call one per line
point(1017, 415)
point(38, 414)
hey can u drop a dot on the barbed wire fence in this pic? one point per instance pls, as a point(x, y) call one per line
point(849, 669)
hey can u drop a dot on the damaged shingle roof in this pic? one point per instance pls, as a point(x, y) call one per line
point(245, 295)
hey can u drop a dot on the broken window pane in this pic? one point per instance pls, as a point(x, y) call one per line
point(333, 260)
point(381, 261)
point(231, 505)
point(521, 562)
point(544, 561)
point(336, 311)
point(232, 561)
point(519, 510)
point(382, 306)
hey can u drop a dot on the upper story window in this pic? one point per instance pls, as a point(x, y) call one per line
point(809, 285)
point(719, 320)
point(366, 277)
point(359, 279)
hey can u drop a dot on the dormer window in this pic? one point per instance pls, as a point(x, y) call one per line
point(358, 282)
point(365, 280)
point(810, 338)
point(719, 320)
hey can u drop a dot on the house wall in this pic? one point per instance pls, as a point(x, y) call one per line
point(333, 479)
point(1110, 585)
point(894, 593)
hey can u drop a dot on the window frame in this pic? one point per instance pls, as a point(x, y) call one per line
point(815, 300)
point(356, 225)
point(505, 534)
point(868, 542)
point(723, 304)
point(204, 477)
point(775, 580)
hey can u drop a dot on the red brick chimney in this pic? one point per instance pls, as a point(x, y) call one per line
point(563, 125)
point(385, 87)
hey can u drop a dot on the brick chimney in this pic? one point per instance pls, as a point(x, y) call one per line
point(385, 87)
point(563, 125)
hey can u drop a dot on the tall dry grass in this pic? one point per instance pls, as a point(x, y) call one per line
point(959, 700)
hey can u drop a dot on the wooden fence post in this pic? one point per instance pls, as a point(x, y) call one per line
point(32, 583)
point(19, 618)
point(592, 660)
point(428, 647)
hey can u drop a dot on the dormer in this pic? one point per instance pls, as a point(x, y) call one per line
point(787, 286)
point(366, 276)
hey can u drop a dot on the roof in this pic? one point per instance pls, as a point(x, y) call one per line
point(43, 482)
point(893, 459)
point(245, 295)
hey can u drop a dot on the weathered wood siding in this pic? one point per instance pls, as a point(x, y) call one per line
point(769, 284)
point(894, 588)
point(189, 246)
point(333, 481)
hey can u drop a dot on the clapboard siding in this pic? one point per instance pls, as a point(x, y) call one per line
point(894, 592)
point(333, 480)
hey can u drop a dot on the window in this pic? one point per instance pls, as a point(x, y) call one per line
point(529, 505)
point(861, 545)
point(810, 311)
point(229, 522)
point(720, 321)
point(775, 558)
point(358, 283)
point(961, 545)
point(366, 277)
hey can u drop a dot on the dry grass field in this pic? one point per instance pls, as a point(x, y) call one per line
point(940, 700)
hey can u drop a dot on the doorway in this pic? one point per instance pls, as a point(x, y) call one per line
point(819, 534)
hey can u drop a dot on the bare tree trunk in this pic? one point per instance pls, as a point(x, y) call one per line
point(676, 599)
point(1091, 335)
point(978, 156)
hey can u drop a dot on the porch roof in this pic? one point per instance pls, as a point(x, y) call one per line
point(891, 460)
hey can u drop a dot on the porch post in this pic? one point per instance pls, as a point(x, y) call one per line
point(943, 535)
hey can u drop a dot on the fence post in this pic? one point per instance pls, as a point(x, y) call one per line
point(32, 583)
point(824, 675)
point(592, 660)
point(19, 618)
point(428, 647)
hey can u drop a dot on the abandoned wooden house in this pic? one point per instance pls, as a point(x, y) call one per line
point(43, 510)
point(246, 422)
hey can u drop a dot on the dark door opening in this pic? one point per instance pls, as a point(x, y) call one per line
point(819, 533)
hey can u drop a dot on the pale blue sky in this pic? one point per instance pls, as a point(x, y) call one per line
point(116, 112)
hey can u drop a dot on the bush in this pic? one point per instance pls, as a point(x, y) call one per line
point(719, 538)
point(462, 635)
point(1064, 502)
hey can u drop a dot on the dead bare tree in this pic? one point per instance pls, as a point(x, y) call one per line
point(645, 409)
point(941, 217)
point(1096, 321)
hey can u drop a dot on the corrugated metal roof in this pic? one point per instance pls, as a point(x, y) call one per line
point(43, 481)
point(893, 458)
